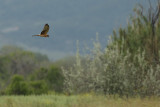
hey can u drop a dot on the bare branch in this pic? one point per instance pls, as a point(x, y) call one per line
point(150, 11)
point(156, 14)
point(141, 7)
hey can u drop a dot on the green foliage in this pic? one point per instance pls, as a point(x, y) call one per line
point(52, 76)
point(43, 76)
point(39, 74)
point(38, 87)
point(83, 100)
point(15, 60)
point(41, 57)
point(141, 33)
point(20, 61)
point(3, 63)
point(110, 72)
point(18, 86)
point(55, 79)
point(128, 66)
point(87, 74)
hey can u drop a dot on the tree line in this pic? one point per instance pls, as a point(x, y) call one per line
point(23, 72)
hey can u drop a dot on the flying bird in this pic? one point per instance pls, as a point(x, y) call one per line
point(44, 31)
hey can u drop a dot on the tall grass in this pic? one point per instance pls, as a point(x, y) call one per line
point(85, 100)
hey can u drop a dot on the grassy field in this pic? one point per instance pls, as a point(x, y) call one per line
point(75, 101)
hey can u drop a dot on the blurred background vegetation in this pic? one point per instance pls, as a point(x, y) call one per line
point(128, 66)
point(25, 72)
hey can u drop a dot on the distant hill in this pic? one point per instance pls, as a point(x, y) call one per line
point(69, 20)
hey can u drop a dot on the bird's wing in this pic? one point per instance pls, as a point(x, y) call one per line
point(45, 29)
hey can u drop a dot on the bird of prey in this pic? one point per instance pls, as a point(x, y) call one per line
point(44, 31)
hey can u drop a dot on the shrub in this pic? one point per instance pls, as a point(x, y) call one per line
point(38, 87)
point(129, 65)
point(52, 76)
point(110, 72)
point(55, 79)
point(87, 74)
point(18, 86)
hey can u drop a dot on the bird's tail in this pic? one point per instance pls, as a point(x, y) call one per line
point(35, 35)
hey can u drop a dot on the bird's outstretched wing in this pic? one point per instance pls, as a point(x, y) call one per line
point(45, 29)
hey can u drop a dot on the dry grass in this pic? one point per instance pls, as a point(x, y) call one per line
point(86, 100)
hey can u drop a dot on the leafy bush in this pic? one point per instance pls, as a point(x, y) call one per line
point(55, 79)
point(52, 76)
point(111, 72)
point(87, 74)
point(38, 87)
point(15, 60)
point(18, 86)
point(129, 65)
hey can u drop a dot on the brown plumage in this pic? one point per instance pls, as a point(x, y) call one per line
point(44, 31)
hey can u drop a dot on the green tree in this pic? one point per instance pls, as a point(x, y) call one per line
point(55, 79)
point(52, 76)
point(38, 87)
point(18, 86)
point(141, 34)
point(125, 67)
point(21, 61)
